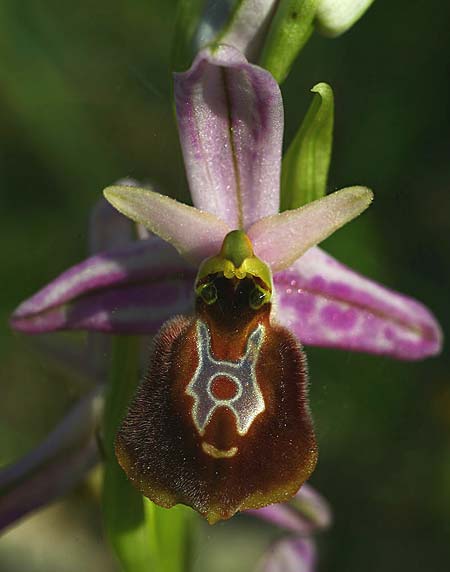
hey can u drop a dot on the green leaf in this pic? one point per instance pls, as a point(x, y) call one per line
point(128, 529)
point(174, 530)
point(126, 523)
point(187, 19)
point(289, 31)
point(305, 165)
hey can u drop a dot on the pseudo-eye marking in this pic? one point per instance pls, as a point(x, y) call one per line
point(247, 402)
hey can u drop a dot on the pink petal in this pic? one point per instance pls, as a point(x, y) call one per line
point(281, 239)
point(307, 512)
point(195, 234)
point(230, 119)
point(138, 309)
point(292, 555)
point(133, 289)
point(326, 304)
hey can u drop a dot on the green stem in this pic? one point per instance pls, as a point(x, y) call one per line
point(123, 508)
point(144, 536)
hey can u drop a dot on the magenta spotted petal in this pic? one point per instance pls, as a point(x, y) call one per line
point(230, 120)
point(327, 304)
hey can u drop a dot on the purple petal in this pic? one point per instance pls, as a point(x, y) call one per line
point(133, 289)
point(194, 233)
point(281, 239)
point(230, 119)
point(326, 304)
point(306, 512)
point(140, 309)
point(54, 467)
point(292, 555)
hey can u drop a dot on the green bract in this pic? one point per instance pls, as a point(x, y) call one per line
point(306, 163)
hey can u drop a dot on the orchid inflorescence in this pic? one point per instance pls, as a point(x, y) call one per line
point(231, 288)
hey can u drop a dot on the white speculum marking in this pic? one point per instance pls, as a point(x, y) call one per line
point(247, 402)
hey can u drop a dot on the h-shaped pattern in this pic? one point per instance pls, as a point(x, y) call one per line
point(247, 402)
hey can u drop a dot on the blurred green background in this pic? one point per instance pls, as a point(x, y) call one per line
point(85, 100)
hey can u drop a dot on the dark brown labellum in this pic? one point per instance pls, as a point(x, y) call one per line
point(221, 420)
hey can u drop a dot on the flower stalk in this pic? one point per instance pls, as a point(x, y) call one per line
point(142, 534)
point(126, 522)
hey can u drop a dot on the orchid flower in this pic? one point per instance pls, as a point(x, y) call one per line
point(231, 134)
point(231, 122)
point(208, 427)
point(70, 450)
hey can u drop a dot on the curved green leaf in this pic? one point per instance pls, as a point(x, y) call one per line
point(305, 165)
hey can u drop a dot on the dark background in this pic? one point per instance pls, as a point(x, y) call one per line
point(85, 100)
